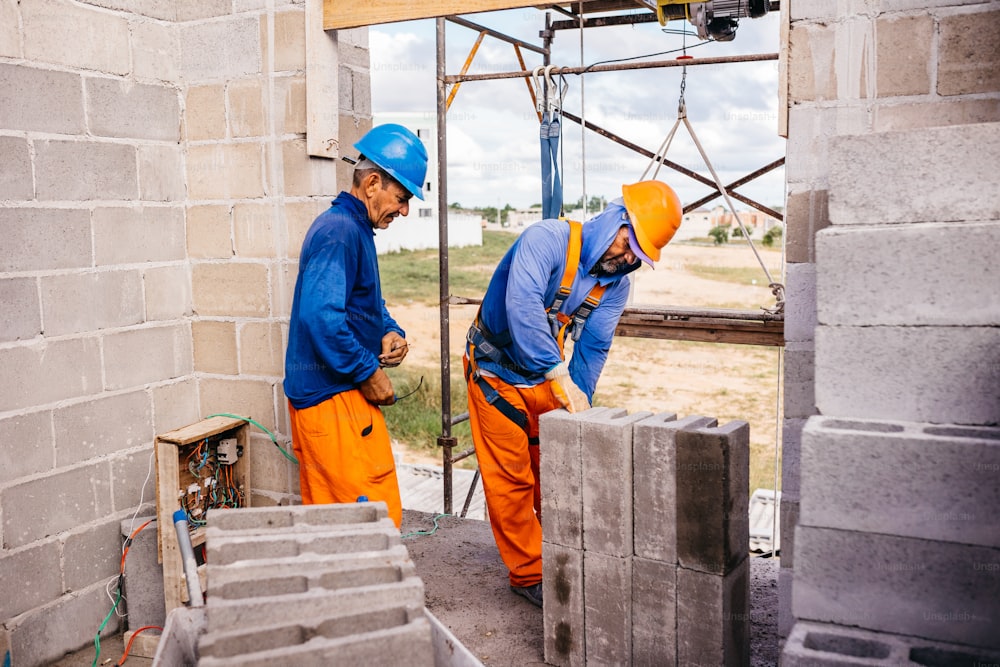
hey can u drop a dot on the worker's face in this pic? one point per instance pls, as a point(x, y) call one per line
point(385, 203)
point(617, 256)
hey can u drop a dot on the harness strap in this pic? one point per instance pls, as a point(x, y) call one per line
point(494, 398)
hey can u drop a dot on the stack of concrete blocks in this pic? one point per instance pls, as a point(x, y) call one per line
point(320, 584)
point(645, 546)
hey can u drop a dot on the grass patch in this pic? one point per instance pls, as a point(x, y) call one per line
point(729, 274)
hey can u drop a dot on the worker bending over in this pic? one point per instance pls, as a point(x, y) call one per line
point(560, 279)
point(341, 335)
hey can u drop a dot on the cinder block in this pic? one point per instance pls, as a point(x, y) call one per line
point(19, 461)
point(799, 380)
point(178, 645)
point(289, 105)
point(161, 173)
point(95, 554)
point(949, 492)
point(965, 64)
point(85, 170)
point(800, 302)
point(928, 113)
point(203, 10)
point(225, 171)
point(306, 176)
point(40, 100)
point(230, 289)
point(75, 35)
point(82, 302)
point(15, 179)
point(262, 349)
point(932, 268)
point(23, 319)
point(167, 292)
point(785, 617)
point(561, 478)
point(176, 405)
point(606, 459)
point(893, 187)
point(143, 575)
point(920, 374)
point(654, 484)
point(812, 43)
point(260, 520)
point(227, 549)
point(66, 235)
point(246, 108)
point(155, 49)
point(209, 232)
point(10, 46)
point(654, 613)
point(289, 41)
point(133, 478)
point(253, 229)
point(31, 578)
point(139, 356)
point(903, 53)
point(789, 519)
point(220, 50)
point(116, 108)
point(805, 214)
point(215, 347)
point(563, 611)
point(50, 372)
point(939, 590)
point(205, 112)
point(791, 457)
point(713, 497)
point(607, 597)
point(241, 396)
point(713, 617)
point(102, 426)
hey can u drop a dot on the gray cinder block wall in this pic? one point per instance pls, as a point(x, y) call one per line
point(645, 550)
point(154, 191)
point(891, 371)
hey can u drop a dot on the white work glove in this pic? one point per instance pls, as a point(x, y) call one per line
point(565, 390)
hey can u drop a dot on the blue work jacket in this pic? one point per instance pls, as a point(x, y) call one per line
point(338, 313)
point(525, 285)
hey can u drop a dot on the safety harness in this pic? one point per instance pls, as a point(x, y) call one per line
point(481, 343)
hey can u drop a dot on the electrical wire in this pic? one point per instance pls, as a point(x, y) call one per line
point(251, 421)
point(647, 55)
point(128, 647)
point(121, 583)
point(420, 533)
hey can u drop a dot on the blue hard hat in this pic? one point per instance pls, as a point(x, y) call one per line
point(399, 152)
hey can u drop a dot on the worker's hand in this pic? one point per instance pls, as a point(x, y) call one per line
point(378, 390)
point(394, 348)
point(565, 390)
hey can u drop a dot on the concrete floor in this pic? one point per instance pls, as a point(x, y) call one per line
point(466, 589)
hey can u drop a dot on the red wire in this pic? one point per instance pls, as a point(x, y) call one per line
point(128, 646)
point(130, 538)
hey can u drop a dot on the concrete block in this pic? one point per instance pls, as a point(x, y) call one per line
point(812, 44)
point(179, 644)
point(903, 51)
point(102, 426)
point(85, 170)
point(654, 484)
point(253, 229)
point(790, 509)
point(230, 289)
point(805, 214)
point(298, 217)
point(785, 617)
point(209, 232)
point(152, 354)
point(921, 374)
point(800, 302)
point(713, 617)
point(15, 179)
point(261, 520)
point(205, 112)
point(932, 266)
point(145, 594)
point(175, 405)
point(942, 591)
point(289, 105)
point(713, 497)
point(161, 173)
point(167, 292)
point(965, 64)
point(654, 613)
point(935, 112)
point(215, 347)
point(563, 611)
point(37, 239)
point(607, 596)
point(246, 108)
point(61, 32)
point(23, 320)
point(225, 171)
point(155, 50)
point(226, 549)
point(561, 478)
point(262, 349)
point(220, 50)
point(799, 395)
point(83, 302)
point(133, 480)
point(117, 108)
point(91, 555)
point(203, 10)
point(606, 461)
point(306, 176)
point(16, 460)
point(31, 578)
point(50, 372)
point(40, 100)
point(10, 35)
point(893, 187)
point(254, 398)
point(289, 41)
point(49, 505)
point(952, 481)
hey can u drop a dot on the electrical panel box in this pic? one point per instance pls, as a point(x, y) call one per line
point(200, 468)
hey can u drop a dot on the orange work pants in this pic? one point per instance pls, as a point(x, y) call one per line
point(344, 452)
point(509, 468)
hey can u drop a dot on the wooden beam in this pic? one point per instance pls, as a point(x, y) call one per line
point(705, 329)
point(339, 14)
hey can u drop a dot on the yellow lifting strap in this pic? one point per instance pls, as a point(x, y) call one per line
point(559, 322)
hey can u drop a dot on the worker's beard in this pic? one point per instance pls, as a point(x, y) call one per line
point(608, 267)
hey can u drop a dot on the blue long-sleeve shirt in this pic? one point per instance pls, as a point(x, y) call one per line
point(338, 314)
point(525, 285)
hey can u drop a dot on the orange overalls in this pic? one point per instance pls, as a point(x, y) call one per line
point(504, 421)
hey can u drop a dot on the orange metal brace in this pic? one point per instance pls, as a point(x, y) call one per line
point(531, 91)
point(465, 68)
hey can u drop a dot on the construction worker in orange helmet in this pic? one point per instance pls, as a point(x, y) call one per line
point(341, 336)
point(560, 279)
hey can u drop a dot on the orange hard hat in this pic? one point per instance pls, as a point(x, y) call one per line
point(655, 211)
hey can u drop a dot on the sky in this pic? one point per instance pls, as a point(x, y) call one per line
point(493, 148)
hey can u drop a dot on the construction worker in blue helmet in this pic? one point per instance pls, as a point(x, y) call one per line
point(560, 281)
point(341, 336)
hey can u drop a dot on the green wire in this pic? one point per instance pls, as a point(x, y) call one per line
point(247, 419)
point(418, 533)
point(97, 637)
